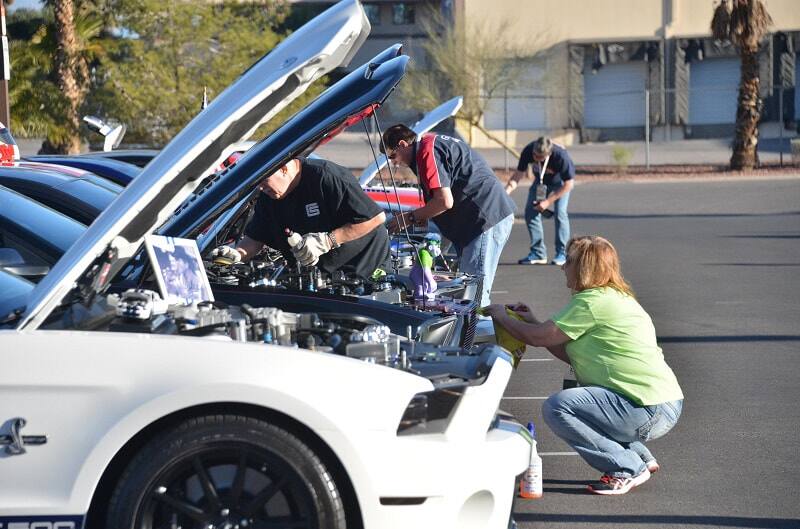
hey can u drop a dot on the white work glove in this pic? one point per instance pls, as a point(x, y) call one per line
point(313, 245)
point(226, 255)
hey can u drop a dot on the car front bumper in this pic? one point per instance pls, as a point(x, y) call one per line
point(428, 481)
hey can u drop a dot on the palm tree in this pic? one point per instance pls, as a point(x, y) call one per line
point(40, 105)
point(744, 24)
point(71, 71)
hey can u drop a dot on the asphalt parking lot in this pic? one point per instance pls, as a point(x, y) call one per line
point(716, 265)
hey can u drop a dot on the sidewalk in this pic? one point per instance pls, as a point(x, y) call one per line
point(352, 150)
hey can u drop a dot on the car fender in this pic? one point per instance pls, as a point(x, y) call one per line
point(126, 382)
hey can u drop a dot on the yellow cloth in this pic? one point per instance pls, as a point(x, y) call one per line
point(504, 338)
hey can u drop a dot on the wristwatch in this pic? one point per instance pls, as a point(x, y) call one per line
point(332, 238)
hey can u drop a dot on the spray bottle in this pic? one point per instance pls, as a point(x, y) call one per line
point(530, 486)
point(293, 238)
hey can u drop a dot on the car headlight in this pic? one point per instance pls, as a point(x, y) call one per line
point(430, 411)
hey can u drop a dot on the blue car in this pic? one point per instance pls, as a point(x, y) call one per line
point(117, 171)
point(78, 194)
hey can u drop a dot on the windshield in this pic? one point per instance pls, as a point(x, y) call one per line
point(14, 292)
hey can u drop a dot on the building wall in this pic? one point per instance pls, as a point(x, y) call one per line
point(693, 17)
point(587, 20)
point(573, 28)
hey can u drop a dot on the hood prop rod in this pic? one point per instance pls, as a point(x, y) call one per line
point(391, 177)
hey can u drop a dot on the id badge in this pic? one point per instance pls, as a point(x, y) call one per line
point(541, 192)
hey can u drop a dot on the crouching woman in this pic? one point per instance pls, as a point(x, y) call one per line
point(628, 395)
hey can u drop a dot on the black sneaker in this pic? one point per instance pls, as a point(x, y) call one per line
point(609, 485)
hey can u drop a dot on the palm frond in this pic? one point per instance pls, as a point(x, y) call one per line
point(721, 21)
point(749, 23)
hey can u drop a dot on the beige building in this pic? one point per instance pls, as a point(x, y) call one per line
point(612, 66)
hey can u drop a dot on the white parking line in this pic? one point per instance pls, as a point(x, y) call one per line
point(524, 398)
point(499, 292)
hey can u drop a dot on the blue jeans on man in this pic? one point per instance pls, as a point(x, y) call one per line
point(482, 255)
point(608, 430)
point(535, 229)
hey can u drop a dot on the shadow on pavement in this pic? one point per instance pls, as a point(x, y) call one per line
point(751, 264)
point(674, 520)
point(731, 338)
point(676, 215)
point(757, 236)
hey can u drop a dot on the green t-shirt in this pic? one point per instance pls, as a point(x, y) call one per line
point(614, 346)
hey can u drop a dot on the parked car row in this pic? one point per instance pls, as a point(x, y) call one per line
point(293, 399)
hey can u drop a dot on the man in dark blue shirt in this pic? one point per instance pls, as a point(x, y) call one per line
point(554, 179)
point(462, 192)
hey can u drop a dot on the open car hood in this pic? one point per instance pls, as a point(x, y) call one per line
point(343, 104)
point(326, 42)
point(427, 122)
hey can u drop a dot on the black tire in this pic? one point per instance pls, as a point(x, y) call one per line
point(226, 471)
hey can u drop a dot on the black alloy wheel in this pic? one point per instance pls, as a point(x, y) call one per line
point(226, 472)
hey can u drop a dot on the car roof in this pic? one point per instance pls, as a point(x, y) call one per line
point(53, 172)
point(137, 157)
point(119, 172)
point(82, 198)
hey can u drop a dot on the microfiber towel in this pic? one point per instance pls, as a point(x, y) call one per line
point(504, 338)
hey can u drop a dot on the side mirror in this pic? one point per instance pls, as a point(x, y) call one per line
point(26, 271)
point(11, 261)
point(113, 135)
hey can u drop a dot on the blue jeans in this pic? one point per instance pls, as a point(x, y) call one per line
point(481, 255)
point(608, 430)
point(534, 221)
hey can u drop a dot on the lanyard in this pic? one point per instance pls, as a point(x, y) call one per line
point(542, 169)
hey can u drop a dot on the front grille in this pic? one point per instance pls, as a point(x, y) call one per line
point(471, 319)
point(470, 326)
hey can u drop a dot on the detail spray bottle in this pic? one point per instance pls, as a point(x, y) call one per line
point(530, 486)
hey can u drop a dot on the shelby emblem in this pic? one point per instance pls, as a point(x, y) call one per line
point(312, 210)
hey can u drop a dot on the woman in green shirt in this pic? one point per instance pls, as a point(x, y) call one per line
point(628, 394)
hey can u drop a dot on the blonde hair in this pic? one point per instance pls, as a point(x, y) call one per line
point(596, 264)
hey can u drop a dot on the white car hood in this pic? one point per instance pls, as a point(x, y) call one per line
point(326, 42)
point(428, 121)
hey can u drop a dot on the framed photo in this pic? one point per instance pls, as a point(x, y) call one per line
point(179, 270)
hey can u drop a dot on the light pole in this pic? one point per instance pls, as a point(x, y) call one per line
point(5, 69)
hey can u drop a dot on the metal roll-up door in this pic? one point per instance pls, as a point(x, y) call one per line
point(614, 96)
point(524, 109)
point(797, 88)
point(713, 89)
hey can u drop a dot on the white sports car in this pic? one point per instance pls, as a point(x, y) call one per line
point(119, 412)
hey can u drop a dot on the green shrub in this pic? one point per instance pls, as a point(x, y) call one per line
point(622, 157)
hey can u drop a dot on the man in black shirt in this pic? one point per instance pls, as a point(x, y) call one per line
point(322, 202)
